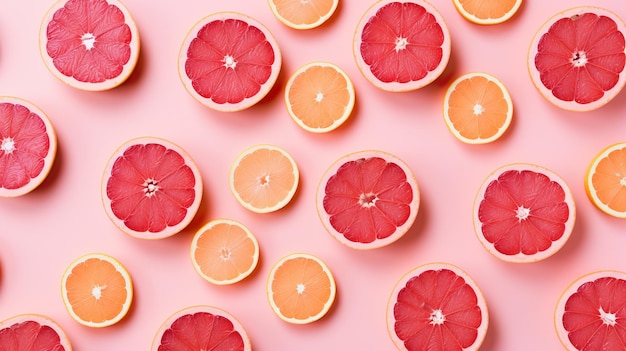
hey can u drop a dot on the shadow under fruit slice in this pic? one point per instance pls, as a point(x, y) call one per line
point(32, 332)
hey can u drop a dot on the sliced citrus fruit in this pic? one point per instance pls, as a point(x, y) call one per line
point(89, 44)
point(523, 213)
point(300, 14)
point(201, 328)
point(605, 180)
point(28, 146)
point(589, 314)
point(32, 332)
point(224, 251)
point(97, 290)
point(576, 59)
point(368, 199)
point(301, 288)
point(401, 45)
point(487, 11)
point(264, 178)
point(437, 306)
point(229, 61)
point(151, 188)
point(319, 97)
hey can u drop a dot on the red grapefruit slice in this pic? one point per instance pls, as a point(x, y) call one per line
point(229, 61)
point(576, 60)
point(523, 213)
point(368, 199)
point(32, 332)
point(437, 306)
point(28, 146)
point(401, 45)
point(151, 188)
point(89, 44)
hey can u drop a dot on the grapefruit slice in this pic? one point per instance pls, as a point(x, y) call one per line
point(589, 314)
point(32, 332)
point(95, 54)
point(151, 188)
point(437, 306)
point(605, 180)
point(368, 199)
point(299, 14)
point(28, 146)
point(487, 12)
point(201, 328)
point(401, 45)
point(523, 213)
point(229, 61)
point(576, 59)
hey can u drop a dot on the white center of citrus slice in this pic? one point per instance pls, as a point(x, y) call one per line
point(225, 254)
point(229, 62)
point(478, 109)
point(88, 40)
point(401, 43)
point(150, 187)
point(319, 96)
point(522, 213)
point(437, 317)
point(8, 145)
point(607, 318)
point(300, 288)
point(579, 59)
point(367, 200)
point(97, 291)
point(264, 180)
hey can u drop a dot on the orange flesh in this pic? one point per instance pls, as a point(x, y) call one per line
point(303, 12)
point(609, 180)
point(488, 8)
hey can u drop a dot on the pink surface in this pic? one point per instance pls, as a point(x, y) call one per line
point(42, 232)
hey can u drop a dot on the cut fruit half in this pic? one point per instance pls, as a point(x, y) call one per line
point(89, 44)
point(28, 146)
point(299, 14)
point(32, 332)
point(437, 306)
point(368, 199)
point(576, 59)
point(229, 61)
point(487, 12)
point(605, 180)
point(523, 213)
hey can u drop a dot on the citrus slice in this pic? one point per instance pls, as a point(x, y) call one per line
point(299, 14)
point(523, 213)
point(264, 178)
point(89, 44)
point(224, 251)
point(151, 188)
point(437, 306)
point(97, 290)
point(32, 332)
point(477, 108)
point(201, 328)
point(589, 313)
point(301, 288)
point(487, 11)
point(368, 199)
point(28, 146)
point(576, 59)
point(319, 97)
point(605, 180)
point(401, 45)
point(229, 61)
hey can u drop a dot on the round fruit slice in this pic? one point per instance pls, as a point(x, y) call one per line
point(224, 251)
point(151, 188)
point(576, 60)
point(605, 180)
point(477, 108)
point(89, 44)
point(401, 45)
point(300, 14)
point(32, 332)
point(437, 306)
point(28, 147)
point(264, 178)
point(590, 312)
point(523, 213)
point(201, 328)
point(97, 290)
point(319, 97)
point(368, 199)
point(301, 288)
point(229, 61)
point(487, 11)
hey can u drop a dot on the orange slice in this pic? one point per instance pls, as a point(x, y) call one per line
point(477, 108)
point(487, 11)
point(605, 180)
point(300, 288)
point(97, 290)
point(32, 332)
point(300, 14)
point(319, 97)
point(264, 178)
point(224, 251)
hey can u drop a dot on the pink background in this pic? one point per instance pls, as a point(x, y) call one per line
point(42, 232)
